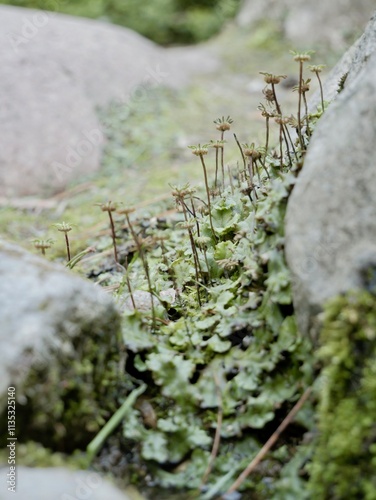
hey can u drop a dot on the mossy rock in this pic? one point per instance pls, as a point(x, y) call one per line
point(66, 402)
point(345, 458)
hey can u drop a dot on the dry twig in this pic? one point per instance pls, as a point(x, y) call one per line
point(270, 442)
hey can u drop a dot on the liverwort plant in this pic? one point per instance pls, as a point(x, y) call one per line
point(139, 242)
point(223, 124)
point(217, 145)
point(303, 88)
point(42, 245)
point(65, 227)
point(202, 243)
point(201, 151)
point(301, 58)
point(255, 155)
point(282, 122)
point(271, 97)
point(317, 70)
point(228, 361)
point(267, 115)
point(110, 207)
point(241, 151)
point(180, 194)
point(273, 80)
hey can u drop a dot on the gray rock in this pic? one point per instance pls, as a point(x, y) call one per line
point(350, 65)
point(56, 71)
point(310, 22)
point(143, 300)
point(44, 309)
point(331, 215)
point(58, 484)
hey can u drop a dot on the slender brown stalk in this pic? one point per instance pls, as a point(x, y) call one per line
point(65, 227)
point(217, 436)
point(113, 235)
point(110, 207)
point(223, 124)
point(179, 195)
point(282, 130)
point(267, 115)
point(280, 145)
point(291, 141)
point(216, 168)
point(300, 136)
point(208, 194)
point(321, 91)
point(207, 265)
point(267, 139)
point(128, 281)
point(202, 243)
point(270, 442)
point(278, 107)
point(230, 179)
point(317, 70)
point(201, 151)
point(144, 263)
point(194, 215)
point(196, 260)
point(306, 114)
point(241, 151)
point(222, 162)
point(67, 245)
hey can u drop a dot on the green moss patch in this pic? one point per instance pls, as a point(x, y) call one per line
point(345, 459)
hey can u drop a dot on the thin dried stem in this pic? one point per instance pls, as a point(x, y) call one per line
point(222, 162)
point(270, 442)
point(230, 179)
point(144, 263)
point(216, 168)
point(306, 114)
point(267, 139)
point(241, 151)
point(208, 195)
point(300, 106)
point(217, 436)
point(67, 245)
point(113, 235)
point(321, 90)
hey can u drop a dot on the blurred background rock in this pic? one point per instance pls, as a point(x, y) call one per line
point(166, 22)
point(171, 22)
point(54, 81)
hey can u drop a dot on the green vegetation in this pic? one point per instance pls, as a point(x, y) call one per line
point(164, 21)
point(68, 401)
point(238, 354)
point(209, 363)
point(345, 456)
point(213, 343)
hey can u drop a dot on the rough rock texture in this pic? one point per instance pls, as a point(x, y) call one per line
point(43, 309)
point(55, 71)
point(331, 215)
point(349, 66)
point(59, 484)
point(143, 300)
point(310, 22)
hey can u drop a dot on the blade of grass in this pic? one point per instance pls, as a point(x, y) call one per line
point(96, 444)
point(217, 487)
